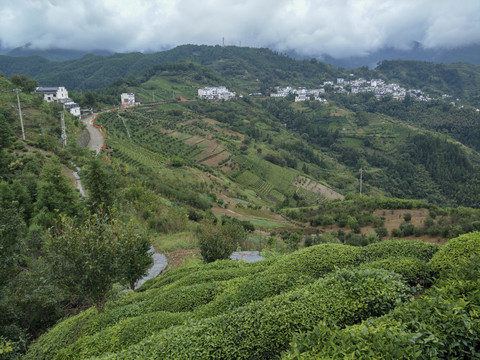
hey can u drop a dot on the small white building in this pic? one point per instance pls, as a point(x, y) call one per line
point(73, 108)
point(51, 94)
point(127, 99)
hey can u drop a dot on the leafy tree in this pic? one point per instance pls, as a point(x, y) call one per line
point(90, 99)
point(98, 183)
point(87, 260)
point(219, 241)
point(12, 228)
point(133, 250)
point(6, 134)
point(27, 84)
point(55, 195)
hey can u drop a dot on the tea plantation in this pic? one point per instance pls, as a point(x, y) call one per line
point(390, 300)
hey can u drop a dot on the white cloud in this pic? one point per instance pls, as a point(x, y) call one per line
point(336, 27)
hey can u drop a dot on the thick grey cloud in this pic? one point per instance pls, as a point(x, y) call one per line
point(310, 27)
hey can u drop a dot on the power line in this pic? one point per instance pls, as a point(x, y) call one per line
point(20, 111)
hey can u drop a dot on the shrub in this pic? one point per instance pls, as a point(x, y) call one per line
point(399, 248)
point(413, 270)
point(317, 260)
point(219, 241)
point(381, 232)
point(355, 240)
point(353, 224)
point(407, 217)
point(245, 290)
point(121, 335)
point(458, 253)
point(397, 233)
point(184, 298)
point(407, 229)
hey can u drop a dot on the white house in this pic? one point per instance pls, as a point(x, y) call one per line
point(51, 94)
point(59, 94)
point(127, 99)
point(72, 107)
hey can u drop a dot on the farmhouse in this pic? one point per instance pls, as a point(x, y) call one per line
point(127, 99)
point(51, 94)
point(71, 106)
point(60, 95)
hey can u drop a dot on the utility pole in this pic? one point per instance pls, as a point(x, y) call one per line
point(361, 180)
point(20, 111)
point(64, 130)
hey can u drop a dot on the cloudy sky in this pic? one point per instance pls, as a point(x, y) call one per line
point(310, 27)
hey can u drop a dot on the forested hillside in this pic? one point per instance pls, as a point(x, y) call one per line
point(252, 69)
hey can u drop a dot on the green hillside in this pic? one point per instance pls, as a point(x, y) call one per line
point(197, 179)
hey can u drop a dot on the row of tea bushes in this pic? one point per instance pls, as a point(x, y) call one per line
point(255, 308)
point(443, 323)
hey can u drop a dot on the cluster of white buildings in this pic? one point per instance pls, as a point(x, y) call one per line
point(127, 99)
point(215, 93)
point(377, 86)
point(301, 94)
point(60, 95)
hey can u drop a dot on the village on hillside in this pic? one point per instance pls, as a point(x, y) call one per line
point(376, 86)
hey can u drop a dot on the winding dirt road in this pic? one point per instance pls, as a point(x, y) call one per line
point(96, 137)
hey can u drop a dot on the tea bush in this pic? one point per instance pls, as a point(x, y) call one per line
point(185, 298)
point(263, 329)
point(413, 270)
point(399, 248)
point(317, 260)
point(120, 336)
point(444, 323)
point(458, 253)
point(250, 289)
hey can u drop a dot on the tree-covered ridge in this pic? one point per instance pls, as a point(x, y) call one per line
point(252, 70)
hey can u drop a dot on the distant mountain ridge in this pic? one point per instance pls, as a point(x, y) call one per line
point(469, 54)
point(55, 54)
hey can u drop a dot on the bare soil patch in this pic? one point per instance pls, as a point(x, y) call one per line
point(216, 159)
point(317, 188)
point(394, 218)
point(180, 257)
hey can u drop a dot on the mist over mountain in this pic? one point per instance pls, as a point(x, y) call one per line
point(55, 54)
point(469, 54)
